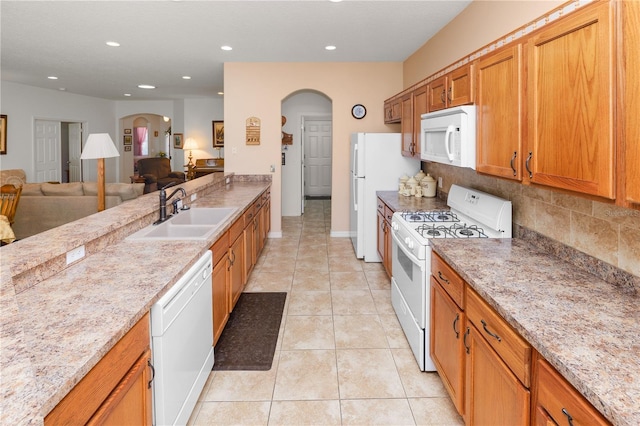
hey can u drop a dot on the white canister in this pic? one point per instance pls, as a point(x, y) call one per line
point(428, 186)
point(419, 176)
point(411, 186)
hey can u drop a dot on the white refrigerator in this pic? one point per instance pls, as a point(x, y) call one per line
point(376, 165)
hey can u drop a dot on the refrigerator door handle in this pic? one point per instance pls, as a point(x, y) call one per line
point(355, 190)
point(355, 160)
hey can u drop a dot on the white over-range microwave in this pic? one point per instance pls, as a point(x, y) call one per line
point(449, 136)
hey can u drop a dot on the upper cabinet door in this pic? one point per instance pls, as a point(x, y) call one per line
point(460, 86)
point(630, 110)
point(437, 94)
point(570, 103)
point(499, 113)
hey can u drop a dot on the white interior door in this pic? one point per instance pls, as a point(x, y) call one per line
point(317, 158)
point(47, 151)
point(75, 143)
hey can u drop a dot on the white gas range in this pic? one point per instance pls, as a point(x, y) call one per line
point(473, 214)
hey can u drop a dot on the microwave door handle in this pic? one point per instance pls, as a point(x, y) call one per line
point(447, 142)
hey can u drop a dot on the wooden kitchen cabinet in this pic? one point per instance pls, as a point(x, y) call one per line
point(392, 110)
point(452, 89)
point(414, 104)
point(555, 401)
point(629, 108)
point(499, 89)
point(384, 215)
point(220, 283)
point(446, 344)
point(117, 390)
point(570, 92)
point(236, 268)
point(249, 241)
point(493, 394)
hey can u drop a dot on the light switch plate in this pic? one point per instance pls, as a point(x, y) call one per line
point(75, 254)
point(194, 196)
point(440, 182)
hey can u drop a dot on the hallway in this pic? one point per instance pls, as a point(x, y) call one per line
point(341, 357)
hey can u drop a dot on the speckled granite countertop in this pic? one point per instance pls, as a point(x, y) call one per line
point(54, 332)
point(585, 327)
point(401, 203)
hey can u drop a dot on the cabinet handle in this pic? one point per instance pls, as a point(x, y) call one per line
point(229, 263)
point(449, 94)
point(464, 340)
point(569, 418)
point(153, 373)
point(455, 321)
point(233, 259)
point(526, 164)
point(495, 336)
point(442, 97)
point(443, 278)
point(513, 159)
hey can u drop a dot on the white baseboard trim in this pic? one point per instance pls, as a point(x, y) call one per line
point(277, 234)
point(340, 234)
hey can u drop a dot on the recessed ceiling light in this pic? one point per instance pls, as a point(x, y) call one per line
point(330, 47)
point(127, 94)
point(335, 1)
point(186, 77)
point(220, 93)
point(113, 44)
point(146, 86)
point(226, 47)
point(62, 89)
point(52, 77)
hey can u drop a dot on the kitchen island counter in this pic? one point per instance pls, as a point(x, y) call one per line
point(585, 327)
point(55, 330)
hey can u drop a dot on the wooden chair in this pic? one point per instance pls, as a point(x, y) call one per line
point(9, 198)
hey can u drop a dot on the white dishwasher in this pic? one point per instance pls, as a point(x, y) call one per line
point(182, 344)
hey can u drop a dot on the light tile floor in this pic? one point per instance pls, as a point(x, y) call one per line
point(341, 357)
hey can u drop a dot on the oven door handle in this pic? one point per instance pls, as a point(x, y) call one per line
point(410, 255)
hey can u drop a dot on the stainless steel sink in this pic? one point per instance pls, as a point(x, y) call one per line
point(193, 224)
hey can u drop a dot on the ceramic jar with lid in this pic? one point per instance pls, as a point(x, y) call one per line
point(411, 186)
point(419, 176)
point(428, 185)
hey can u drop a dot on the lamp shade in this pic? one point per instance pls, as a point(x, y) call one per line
point(99, 145)
point(190, 143)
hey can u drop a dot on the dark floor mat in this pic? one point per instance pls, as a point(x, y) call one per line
point(248, 341)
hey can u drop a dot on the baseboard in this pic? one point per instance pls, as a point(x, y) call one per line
point(340, 234)
point(277, 234)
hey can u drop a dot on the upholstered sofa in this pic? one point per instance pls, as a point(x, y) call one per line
point(43, 206)
point(157, 173)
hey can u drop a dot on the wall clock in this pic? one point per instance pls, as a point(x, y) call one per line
point(358, 111)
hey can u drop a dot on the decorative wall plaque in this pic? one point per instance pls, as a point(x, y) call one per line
point(253, 131)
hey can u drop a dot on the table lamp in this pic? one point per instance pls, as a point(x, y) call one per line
point(99, 146)
point(190, 144)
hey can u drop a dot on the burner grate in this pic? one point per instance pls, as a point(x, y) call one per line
point(455, 230)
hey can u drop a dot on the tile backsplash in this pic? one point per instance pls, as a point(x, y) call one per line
point(604, 231)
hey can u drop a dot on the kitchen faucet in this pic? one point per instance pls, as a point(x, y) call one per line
point(164, 199)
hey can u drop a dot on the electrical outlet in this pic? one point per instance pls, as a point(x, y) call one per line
point(440, 182)
point(75, 254)
point(273, 168)
point(227, 180)
point(194, 196)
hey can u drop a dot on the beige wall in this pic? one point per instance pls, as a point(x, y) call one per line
point(257, 89)
point(479, 24)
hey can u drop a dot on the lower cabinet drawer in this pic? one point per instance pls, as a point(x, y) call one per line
point(557, 399)
point(513, 349)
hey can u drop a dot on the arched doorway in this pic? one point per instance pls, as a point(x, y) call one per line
point(308, 157)
point(143, 135)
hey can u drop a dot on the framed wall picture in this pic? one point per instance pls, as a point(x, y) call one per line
point(127, 148)
point(177, 140)
point(218, 134)
point(3, 134)
point(127, 131)
point(128, 139)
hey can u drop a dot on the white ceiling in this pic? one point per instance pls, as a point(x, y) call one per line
point(163, 40)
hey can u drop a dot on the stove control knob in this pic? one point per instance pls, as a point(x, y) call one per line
point(394, 226)
point(409, 242)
